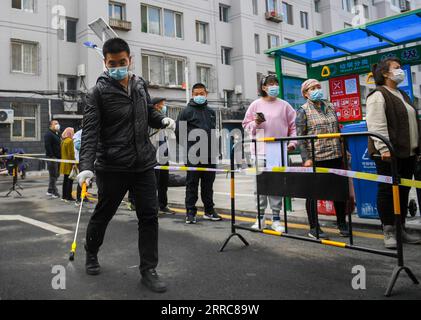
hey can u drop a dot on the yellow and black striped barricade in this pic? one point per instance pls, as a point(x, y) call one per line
point(317, 186)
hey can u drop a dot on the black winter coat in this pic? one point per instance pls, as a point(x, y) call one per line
point(52, 143)
point(201, 117)
point(115, 127)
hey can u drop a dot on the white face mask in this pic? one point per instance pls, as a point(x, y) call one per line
point(57, 127)
point(398, 75)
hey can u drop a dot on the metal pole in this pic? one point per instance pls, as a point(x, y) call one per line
point(313, 205)
point(351, 236)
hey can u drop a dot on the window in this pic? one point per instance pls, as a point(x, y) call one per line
point(69, 33)
point(346, 5)
point(226, 56)
point(67, 83)
point(71, 30)
point(228, 98)
point(172, 24)
point(223, 13)
point(25, 5)
point(287, 11)
point(24, 57)
point(202, 32)
point(204, 75)
point(151, 19)
point(255, 8)
point(26, 125)
point(257, 43)
point(162, 70)
point(271, 6)
point(116, 11)
point(273, 41)
point(317, 6)
point(366, 12)
point(304, 19)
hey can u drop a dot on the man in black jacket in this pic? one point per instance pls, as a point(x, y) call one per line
point(200, 143)
point(115, 143)
point(52, 143)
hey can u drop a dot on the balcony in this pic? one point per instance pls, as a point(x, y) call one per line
point(120, 24)
point(274, 16)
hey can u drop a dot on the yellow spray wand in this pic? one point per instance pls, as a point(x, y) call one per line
point(73, 248)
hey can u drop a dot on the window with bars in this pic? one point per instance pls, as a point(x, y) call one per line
point(26, 125)
point(24, 57)
point(163, 71)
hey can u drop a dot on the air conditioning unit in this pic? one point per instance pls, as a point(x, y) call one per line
point(6, 116)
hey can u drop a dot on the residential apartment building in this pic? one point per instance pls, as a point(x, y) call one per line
point(218, 42)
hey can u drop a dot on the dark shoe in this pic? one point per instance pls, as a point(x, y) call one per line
point(191, 218)
point(213, 216)
point(166, 210)
point(344, 230)
point(313, 234)
point(151, 280)
point(92, 265)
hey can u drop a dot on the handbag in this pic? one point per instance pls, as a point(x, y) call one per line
point(74, 173)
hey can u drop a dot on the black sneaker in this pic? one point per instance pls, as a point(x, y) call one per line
point(151, 280)
point(213, 216)
point(344, 230)
point(166, 210)
point(92, 265)
point(191, 218)
point(322, 235)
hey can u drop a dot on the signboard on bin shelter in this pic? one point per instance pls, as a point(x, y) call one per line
point(345, 97)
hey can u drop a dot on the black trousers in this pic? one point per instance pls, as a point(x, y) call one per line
point(112, 187)
point(206, 180)
point(162, 177)
point(406, 169)
point(67, 187)
point(339, 205)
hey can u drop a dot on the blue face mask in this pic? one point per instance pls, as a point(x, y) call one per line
point(273, 91)
point(316, 95)
point(200, 99)
point(164, 109)
point(118, 73)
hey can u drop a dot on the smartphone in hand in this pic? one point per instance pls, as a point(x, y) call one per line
point(261, 116)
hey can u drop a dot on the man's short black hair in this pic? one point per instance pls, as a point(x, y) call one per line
point(264, 82)
point(199, 86)
point(115, 45)
point(381, 68)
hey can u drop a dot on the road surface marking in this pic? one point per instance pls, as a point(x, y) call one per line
point(36, 223)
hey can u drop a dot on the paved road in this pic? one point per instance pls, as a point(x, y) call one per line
point(271, 268)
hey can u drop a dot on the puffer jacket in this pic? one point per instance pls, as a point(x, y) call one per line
point(196, 116)
point(115, 127)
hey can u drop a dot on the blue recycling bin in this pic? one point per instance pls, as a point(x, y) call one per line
point(365, 191)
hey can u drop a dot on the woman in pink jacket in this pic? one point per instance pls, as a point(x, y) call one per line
point(270, 116)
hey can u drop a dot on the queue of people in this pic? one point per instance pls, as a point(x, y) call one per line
point(118, 148)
